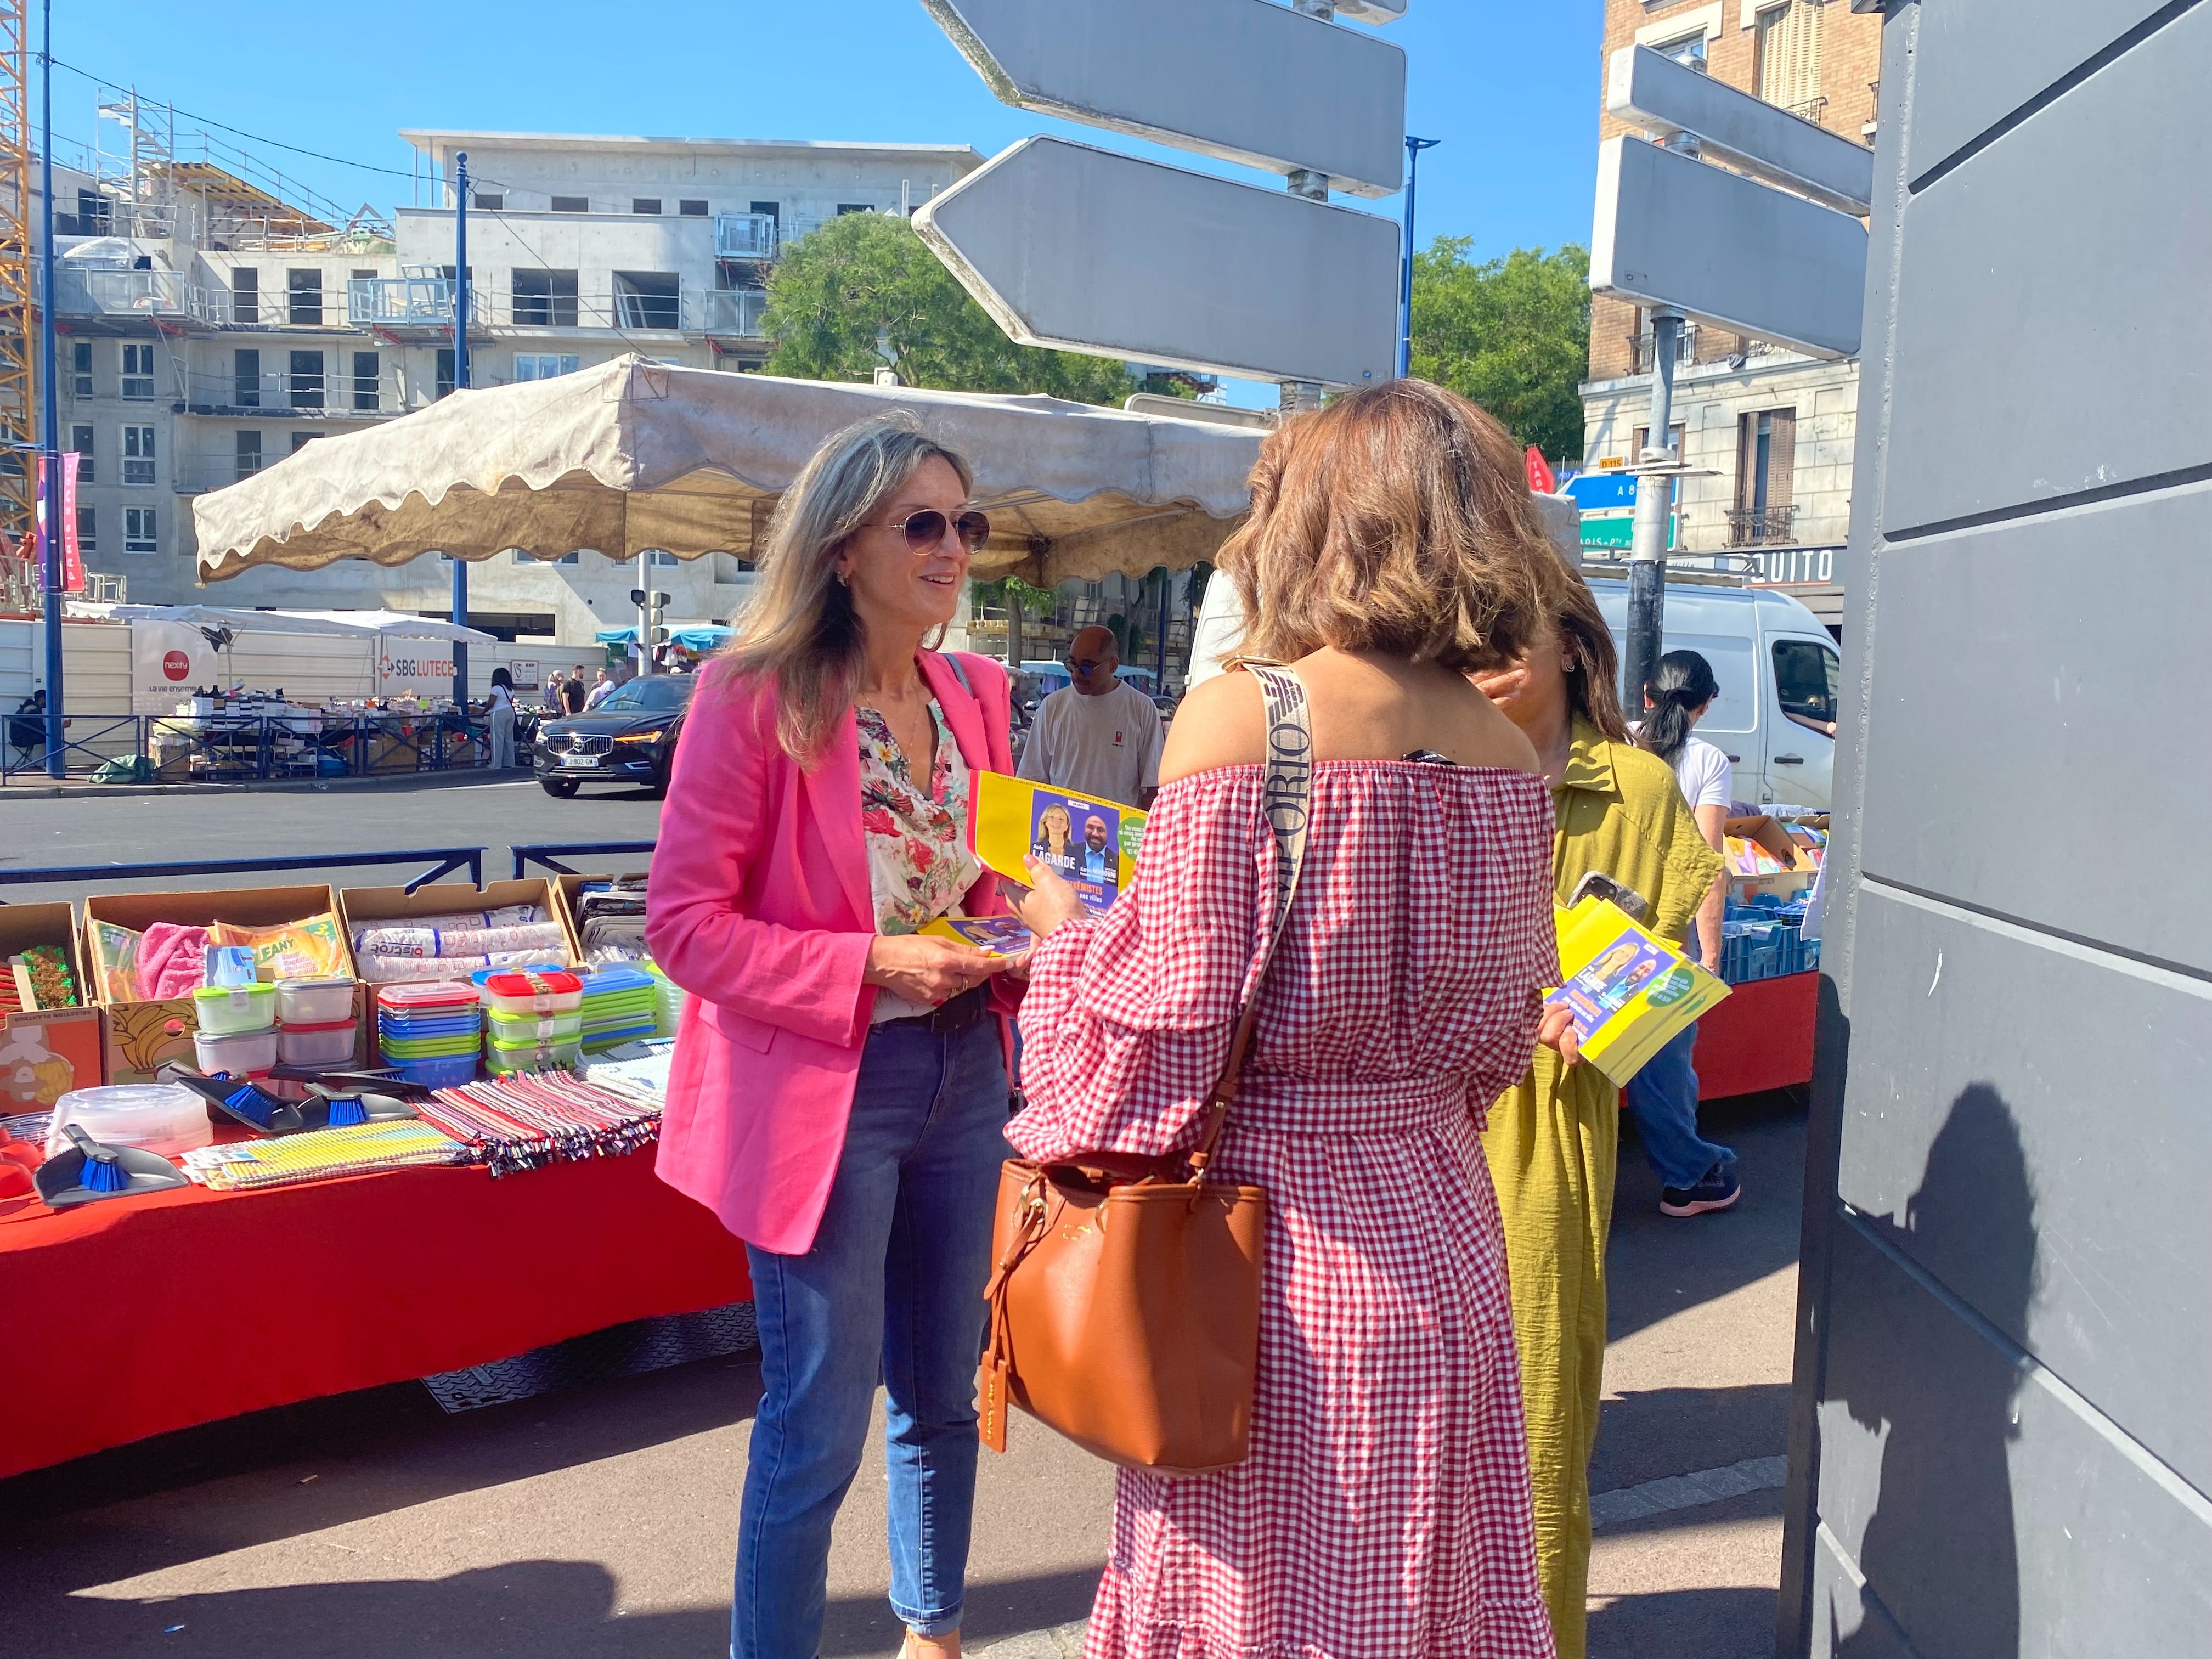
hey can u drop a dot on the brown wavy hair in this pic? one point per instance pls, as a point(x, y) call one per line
point(800, 633)
point(1397, 520)
point(1593, 682)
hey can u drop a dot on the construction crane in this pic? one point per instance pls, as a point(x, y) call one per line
point(19, 321)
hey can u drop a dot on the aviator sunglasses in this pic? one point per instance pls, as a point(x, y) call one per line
point(926, 529)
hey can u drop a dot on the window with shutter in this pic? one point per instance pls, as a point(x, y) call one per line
point(1789, 57)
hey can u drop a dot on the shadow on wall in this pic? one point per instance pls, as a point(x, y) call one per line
point(1939, 1553)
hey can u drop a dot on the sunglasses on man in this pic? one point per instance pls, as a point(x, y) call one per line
point(926, 529)
point(1084, 664)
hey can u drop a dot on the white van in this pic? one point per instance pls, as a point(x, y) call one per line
point(1777, 669)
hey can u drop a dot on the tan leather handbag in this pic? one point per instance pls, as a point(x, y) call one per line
point(1125, 1308)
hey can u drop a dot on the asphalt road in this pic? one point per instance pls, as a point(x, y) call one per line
point(43, 831)
point(597, 1522)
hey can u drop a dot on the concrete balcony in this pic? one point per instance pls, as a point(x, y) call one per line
point(746, 235)
point(725, 313)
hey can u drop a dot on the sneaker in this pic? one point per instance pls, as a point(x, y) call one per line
point(1718, 1190)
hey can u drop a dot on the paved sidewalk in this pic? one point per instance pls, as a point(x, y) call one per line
point(597, 1522)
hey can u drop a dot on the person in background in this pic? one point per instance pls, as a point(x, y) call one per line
point(1554, 1139)
point(1696, 1176)
point(602, 688)
point(573, 692)
point(1383, 1511)
point(1098, 735)
point(838, 1095)
point(27, 726)
point(499, 710)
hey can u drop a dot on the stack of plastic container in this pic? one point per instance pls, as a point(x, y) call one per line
point(668, 1000)
point(619, 1005)
point(315, 1024)
point(534, 1019)
point(428, 1031)
point(236, 1029)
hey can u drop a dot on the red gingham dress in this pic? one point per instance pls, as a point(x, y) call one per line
point(1384, 1511)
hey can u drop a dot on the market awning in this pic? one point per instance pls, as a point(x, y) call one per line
point(633, 455)
point(697, 641)
point(350, 624)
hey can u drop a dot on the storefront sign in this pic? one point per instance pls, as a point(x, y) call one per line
point(1791, 567)
point(526, 673)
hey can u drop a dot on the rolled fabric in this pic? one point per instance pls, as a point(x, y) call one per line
point(463, 921)
point(445, 945)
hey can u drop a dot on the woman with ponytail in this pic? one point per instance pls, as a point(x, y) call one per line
point(1696, 1176)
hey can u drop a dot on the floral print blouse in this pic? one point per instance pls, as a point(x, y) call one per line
point(919, 864)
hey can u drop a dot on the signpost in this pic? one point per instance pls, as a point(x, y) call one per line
point(1242, 81)
point(1086, 250)
point(1690, 240)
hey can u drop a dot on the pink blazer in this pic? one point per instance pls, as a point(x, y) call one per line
point(760, 908)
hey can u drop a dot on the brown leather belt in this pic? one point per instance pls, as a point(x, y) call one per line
point(970, 1007)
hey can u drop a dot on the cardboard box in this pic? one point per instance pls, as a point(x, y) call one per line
point(570, 891)
point(142, 1037)
point(1772, 836)
point(45, 1053)
point(365, 906)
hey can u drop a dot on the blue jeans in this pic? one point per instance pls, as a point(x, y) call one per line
point(892, 1288)
point(1662, 1100)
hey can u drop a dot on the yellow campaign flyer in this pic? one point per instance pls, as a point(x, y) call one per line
point(1092, 842)
point(994, 936)
point(1629, 993)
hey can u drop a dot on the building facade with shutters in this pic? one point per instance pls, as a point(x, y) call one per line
point(210, 328)
point(1770, 429)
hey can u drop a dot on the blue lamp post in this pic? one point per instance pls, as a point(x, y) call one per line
point(1413, 148)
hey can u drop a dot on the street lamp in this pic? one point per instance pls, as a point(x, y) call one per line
point(1413, 148)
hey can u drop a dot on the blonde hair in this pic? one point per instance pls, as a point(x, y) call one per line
point(1066, 821)
point(1396, 520)
point(800, 633)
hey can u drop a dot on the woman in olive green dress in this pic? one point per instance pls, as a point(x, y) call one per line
point(1551, 1140)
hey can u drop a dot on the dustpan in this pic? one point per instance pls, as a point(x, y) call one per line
point(62, 1179)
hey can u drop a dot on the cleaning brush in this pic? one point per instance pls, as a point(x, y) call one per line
point(347, 1110)
point(103, 1172)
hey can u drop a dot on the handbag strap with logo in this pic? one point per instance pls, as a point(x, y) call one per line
point(1286, 801)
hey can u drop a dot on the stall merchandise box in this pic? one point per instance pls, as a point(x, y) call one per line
point(1772, 836)
point(45, 1053)
point(142, 1036)
point(570, 891)
point(367, 907)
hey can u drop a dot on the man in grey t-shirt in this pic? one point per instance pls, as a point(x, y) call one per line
point(1100, 735)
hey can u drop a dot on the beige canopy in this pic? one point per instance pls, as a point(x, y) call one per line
point(635, 454)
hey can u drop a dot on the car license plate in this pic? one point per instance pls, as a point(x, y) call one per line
point(579, 761)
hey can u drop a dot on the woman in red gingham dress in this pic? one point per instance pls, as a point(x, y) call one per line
point(1384, 1510)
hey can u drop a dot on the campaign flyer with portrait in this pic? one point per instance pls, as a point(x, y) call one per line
point(1092, 843)
point(1628, 992)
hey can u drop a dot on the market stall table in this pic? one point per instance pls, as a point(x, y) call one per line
point(1759, 1037)
point(129, 1317)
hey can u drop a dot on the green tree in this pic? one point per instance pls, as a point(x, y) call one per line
point(865, 281)
point(1512, 334)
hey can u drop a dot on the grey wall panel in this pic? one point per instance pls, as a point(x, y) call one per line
point(2005, 1519)
point(2073, 1094)
point(2046, 348)
point(1980, 60)
point(1849, 1621)
point(2002, 715)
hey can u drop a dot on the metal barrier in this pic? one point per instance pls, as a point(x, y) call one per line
point(225, 749)
point(446, 859)
point(550, 854)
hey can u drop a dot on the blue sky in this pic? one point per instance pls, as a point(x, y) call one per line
point(1511, 89)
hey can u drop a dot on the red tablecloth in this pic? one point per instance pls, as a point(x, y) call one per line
point(131, 1316)
point(1759, 1037)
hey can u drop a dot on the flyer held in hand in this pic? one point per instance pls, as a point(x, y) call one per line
point(1630, 992)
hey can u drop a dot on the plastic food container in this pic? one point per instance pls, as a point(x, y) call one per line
point(425, 996)
point(507, 1058)
point(536, 1028)
point(329, 1042)
point(447, 1074)
point(533, 993)
point(157, 1117)
point(221, 1010)
point(242, 1054)
point(314, 1001)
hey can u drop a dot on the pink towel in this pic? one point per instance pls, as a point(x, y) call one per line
point(171, 960)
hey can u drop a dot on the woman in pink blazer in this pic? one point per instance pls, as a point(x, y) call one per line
point(840, 1087)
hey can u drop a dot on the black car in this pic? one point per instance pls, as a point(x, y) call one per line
point(629, 739)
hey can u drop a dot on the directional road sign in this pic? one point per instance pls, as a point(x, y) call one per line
point(1663, 98)
point(1671, 230)
point(1245, 80)
point(1086, 250)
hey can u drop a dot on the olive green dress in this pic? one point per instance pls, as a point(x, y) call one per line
point(1552, 1142)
